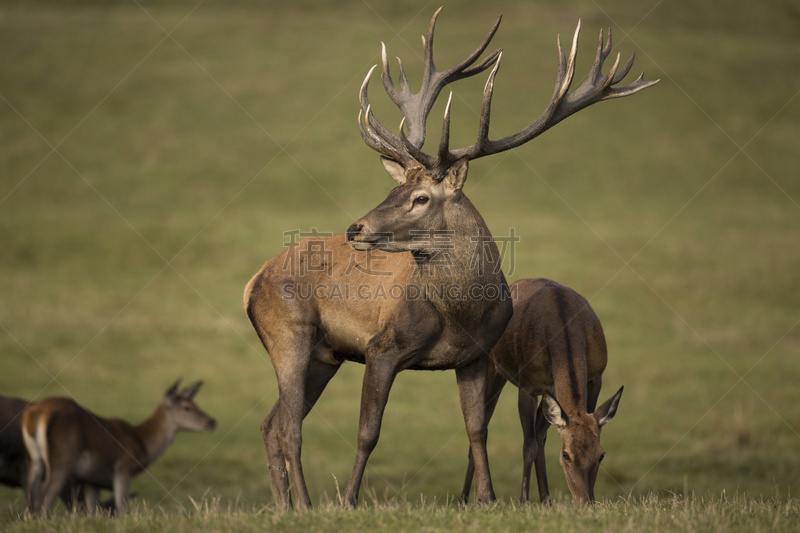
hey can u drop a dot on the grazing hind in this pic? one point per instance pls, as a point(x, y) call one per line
point(553, 347)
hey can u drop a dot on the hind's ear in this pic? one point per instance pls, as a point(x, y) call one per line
point(172, 392)
point(191, 390)
point(553, 412)
point(606, 412)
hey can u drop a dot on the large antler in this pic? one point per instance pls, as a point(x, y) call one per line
point(594, 89)
point(415, 107)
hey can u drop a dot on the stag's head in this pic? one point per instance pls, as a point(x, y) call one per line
point(428, 185)
point(414, 208)
point(581, 453)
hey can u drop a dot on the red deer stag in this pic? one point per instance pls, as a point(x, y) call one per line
point(440, 302)
point(553, 347)
point(69, 444)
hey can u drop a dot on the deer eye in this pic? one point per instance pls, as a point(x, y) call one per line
point(565, 456)
point(602, 456)
point(421, 200)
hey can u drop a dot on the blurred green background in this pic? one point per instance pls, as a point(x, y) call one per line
point(154, 153)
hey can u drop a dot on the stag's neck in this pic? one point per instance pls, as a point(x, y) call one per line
point(462, 266)
point(156, 434)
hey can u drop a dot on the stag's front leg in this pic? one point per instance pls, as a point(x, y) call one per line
point(378, 378)
point(494, 386)
point(471, 380)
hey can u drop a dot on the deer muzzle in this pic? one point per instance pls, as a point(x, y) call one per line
point(354, 230)
point(362, 238)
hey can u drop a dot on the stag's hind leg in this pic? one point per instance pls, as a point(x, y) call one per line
point(301, 380)
point(282, 428)
point(275, 460)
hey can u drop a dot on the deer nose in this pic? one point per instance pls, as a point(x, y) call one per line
point(354, 230)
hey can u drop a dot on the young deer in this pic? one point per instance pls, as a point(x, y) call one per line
point(437, 301)
point(553, 346)
point(13, 470)
point(69, 444)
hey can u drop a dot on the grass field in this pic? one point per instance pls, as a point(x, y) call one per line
point(155, 153)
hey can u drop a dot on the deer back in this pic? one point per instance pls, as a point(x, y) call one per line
point(554, 342)
point(86, 444)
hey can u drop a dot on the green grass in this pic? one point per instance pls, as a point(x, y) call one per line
point(650, 513)
point(146, 175)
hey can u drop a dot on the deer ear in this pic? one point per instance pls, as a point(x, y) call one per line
point(553, 412)
point(606, 412)
point(173, 390)
point(172, 393)
point(457, 174)
point(395, 170)
point(191, 390)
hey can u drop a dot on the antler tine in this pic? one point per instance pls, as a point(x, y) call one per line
point(463, 69)
point(388, 84)
point(372, 132)
point(444, 143)
point(375, 135)
point(483, 126)
point(414, 153)
point(625, 69)
point(597, 87)
point(631, 88)
point(403, 79)
point(428, 68)
point(603, 52)
point(373, 141)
